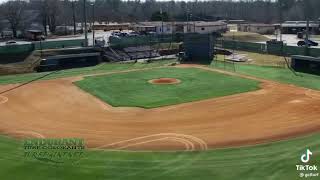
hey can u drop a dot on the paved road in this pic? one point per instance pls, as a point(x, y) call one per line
point(292, 40)
point(98, 35)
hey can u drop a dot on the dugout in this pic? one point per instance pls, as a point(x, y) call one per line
point(306, 64)
point(59, 62)
point(199, 48)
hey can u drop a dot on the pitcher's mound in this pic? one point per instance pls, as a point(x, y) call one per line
point(164, 81)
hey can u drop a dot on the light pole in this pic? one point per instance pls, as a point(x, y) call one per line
point(92, 27)
point(74, 19)
point(85, 23)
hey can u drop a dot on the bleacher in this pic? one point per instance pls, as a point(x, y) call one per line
point(131, 53)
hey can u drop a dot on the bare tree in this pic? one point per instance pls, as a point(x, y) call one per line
point(13, 12)
point(52, 14)
point(44, 15)
point(59, 12)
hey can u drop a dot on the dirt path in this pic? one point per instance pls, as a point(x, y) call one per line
point(57, 108)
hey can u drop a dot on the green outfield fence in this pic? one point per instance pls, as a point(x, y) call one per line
point(273, 49)
point(27, 48)
point(59, 44)
point(16, 49)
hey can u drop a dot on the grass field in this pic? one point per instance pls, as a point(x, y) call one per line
point(133, 89)
point(282, 75)
point(264, 162)
point(273, 161)
point(245, 37)
point(262, 59)
point(102, 68)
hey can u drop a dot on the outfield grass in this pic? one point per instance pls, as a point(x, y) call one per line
point(276, 161)
point(262, 59)
point(245, 36)
point(282, 75)
point(133, 89)
point(102, 68)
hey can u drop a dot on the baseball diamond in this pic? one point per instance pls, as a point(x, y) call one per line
point(209, 118)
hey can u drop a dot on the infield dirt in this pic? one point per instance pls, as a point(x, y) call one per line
point(59, 109)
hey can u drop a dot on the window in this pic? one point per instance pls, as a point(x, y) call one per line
point(202, 29)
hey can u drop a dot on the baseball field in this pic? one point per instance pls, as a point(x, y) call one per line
point(158, 121)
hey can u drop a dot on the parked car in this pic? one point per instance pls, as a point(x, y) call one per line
point(119, 34)
point(133, 34)
point(308, 43)
point(300, 35)
point(11, 42)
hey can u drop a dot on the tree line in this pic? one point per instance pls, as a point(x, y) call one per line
point(53, 13)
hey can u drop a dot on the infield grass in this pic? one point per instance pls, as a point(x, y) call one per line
point(274, 161)
point(132, 89)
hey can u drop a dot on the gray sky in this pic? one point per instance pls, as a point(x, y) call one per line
point(157, 0)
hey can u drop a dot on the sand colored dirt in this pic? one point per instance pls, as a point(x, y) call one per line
point(3, 99)
point(164, 81)
point(59, 109)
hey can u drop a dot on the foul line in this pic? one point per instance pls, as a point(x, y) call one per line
point(28, 82)
point(36, 134)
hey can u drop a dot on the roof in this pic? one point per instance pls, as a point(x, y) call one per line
point(153, 23)
point(305, 58)
point(143, 26)
point(34, 31)
point(299, 24)
point(211, 23)
point(113, 24)
point(197, 23)
point(258, 25)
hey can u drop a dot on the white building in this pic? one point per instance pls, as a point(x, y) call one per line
point(201, 27)
point(154, 26)
point(257, 28)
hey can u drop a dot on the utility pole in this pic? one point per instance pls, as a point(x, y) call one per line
point(85, 23)
point(188, 29)
point(194, 24)
point(280, 19)
point(161, 21)
point(92, 27)
point(74, 18)
point(308, 30)
point(280, 28)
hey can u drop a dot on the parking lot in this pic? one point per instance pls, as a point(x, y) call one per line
point(292, 40)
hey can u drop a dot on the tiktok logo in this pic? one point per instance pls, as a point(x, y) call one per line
point(306, 157)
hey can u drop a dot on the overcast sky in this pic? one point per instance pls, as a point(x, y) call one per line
point(142, 0)
point(157, 0)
